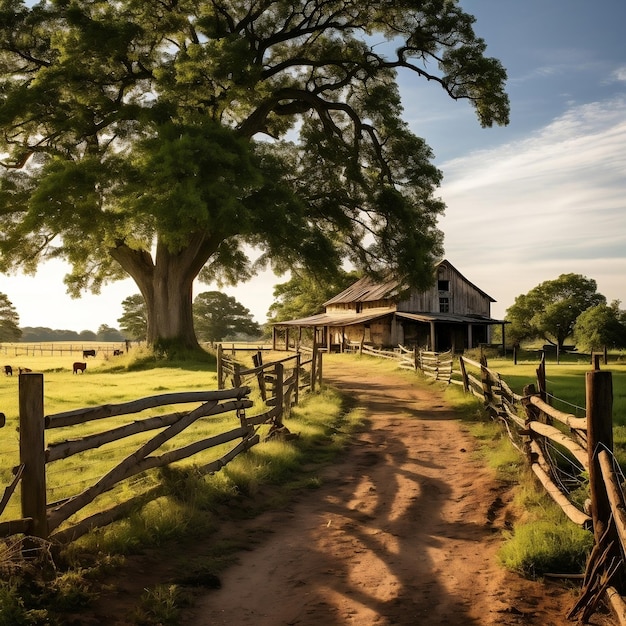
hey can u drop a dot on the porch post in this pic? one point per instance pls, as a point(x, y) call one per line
point(432, 337)
point(470, 339)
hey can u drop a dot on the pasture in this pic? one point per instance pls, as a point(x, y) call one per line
point(106, 380)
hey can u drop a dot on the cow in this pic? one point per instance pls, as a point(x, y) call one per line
point(24, 370)
point(118, 352)
point(79, 367)
point(8, 370)
point(87, 353)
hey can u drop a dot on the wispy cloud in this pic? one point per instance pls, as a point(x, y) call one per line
point(550, 204)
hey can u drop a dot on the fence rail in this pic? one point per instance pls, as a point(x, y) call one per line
point(56, 521)
point(583, 445)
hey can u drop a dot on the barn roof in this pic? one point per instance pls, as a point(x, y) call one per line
point(448, 317)
point(366, 290)
point(338, 320)
point(325, 319)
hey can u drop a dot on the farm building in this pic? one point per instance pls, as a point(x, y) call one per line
point(452, 314)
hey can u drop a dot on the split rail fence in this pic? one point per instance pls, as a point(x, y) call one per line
point(58, 522)
point(562, 450)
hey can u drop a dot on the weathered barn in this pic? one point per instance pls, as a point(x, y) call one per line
point(452, 314)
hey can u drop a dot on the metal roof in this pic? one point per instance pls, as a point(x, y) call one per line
point(366, 290)
point(324, 319)
point(340, 319)
point(448, 317)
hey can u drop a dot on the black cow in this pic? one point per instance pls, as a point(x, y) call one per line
point(79, 367)
point(8, 370)
point(87, 353)
point(118, 352)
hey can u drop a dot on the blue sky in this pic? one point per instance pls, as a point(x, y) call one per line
point(543, 196)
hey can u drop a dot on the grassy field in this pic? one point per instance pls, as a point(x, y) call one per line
point(107, 380)
point(191, 506)
point(566, 387)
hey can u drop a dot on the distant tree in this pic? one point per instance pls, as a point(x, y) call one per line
point(217, 316)
point(601, 326)
point(134, 320)
point(304, 294)
point(106, 333)
point(9, 320)
point(87, 335)
point(43, 333)
point(549, 310)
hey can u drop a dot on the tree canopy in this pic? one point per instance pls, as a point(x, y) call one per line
point(162, 138)
point(218, 316)
point(9, 320)
point(601, 326)
point(549, 310)
point(304, 294)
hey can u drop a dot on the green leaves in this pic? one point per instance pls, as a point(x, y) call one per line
point(9, 320)
point(203, 129)
point(550, 309)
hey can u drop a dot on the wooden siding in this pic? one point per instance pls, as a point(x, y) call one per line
point(464, 298)
point(377, 332)
point(362, 307)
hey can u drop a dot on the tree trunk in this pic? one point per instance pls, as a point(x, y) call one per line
point(169, 303)
point(166, 285)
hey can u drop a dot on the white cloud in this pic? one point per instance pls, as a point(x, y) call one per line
point(620, 74)
point(553, 203)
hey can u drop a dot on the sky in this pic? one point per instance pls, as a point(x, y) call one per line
point(541, 197)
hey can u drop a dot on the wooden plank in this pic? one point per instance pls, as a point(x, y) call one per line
point(79, 416)
point(561, 438)
point(574, 514)
point(16, 527)
point(65, 449)
point(565, 418)
point(614, 493)
point(32, 456)
point(121, 471)
point(618, 605)
point(8, 492)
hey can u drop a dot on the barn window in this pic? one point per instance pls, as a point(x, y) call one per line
point(444, 305)
point(443, 285)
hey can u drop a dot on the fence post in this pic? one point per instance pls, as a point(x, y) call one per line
point(278, 394)
point(599, 400)
point(296, 393)
point(236, 375)
point(313, 366)
point(464, 375)
point(319, 368)
point(220, 367)
point(32, 452)
point(257, 360)
point(541, 378)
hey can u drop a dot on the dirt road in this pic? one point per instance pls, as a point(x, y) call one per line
point(404, 531)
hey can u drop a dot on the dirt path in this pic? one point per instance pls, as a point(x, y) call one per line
point(403, 531)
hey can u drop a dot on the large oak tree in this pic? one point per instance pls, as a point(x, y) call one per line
point(164, 138)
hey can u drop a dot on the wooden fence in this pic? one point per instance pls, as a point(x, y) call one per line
point(292, 374)
point(49, 520)
point(583, 446)
point(60, 348)
point(557, 445)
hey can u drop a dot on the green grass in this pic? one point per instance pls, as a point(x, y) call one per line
point(192, 505)
point(543, 540)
